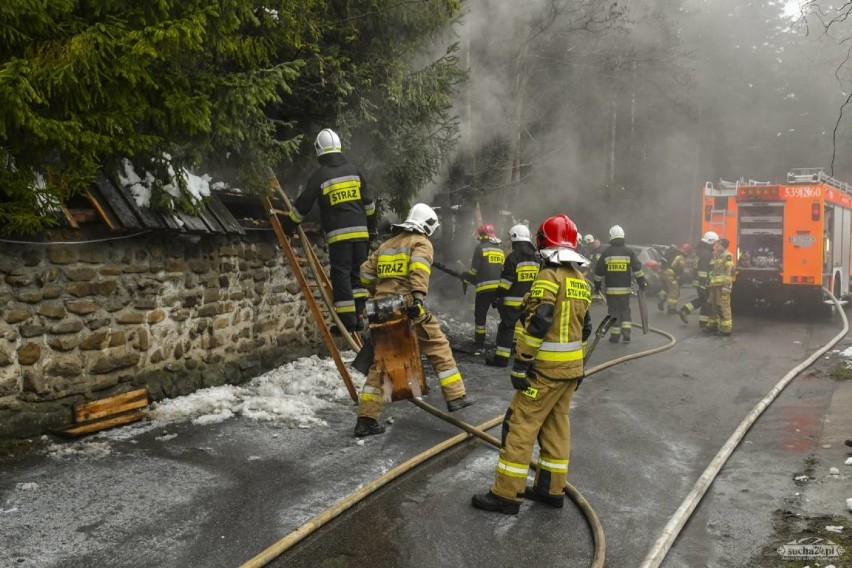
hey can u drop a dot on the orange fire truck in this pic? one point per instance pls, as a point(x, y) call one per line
point(793, 239)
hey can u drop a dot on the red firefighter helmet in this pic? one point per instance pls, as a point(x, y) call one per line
point(686, 248)
point(487, 230)
point(557, 231)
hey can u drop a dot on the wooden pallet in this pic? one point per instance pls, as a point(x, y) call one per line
point(106, 413)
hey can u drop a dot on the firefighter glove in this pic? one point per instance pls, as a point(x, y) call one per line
point(597, 288)
point(520, 375)
point(726, 290)
point(416, 309)
point(642, 284)
point(495, 303)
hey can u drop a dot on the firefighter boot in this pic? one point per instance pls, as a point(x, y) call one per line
point(613, 338)
point(661, 304)
point(555, 501)
point(367, 427)
point(493, 503)
point(495, 361)
point(459, 403)
point(625, 335)
point(684, 314)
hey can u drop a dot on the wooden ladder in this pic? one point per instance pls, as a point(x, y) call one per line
point(317, 290)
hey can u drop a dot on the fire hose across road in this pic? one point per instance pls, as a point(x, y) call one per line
point(470, 431)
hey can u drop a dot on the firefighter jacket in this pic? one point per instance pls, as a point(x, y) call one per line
point(401, 265)
point(519, 271)
point(704, 252)
point(347, 210)
point(486, 266)
point(556, 322)
point(676, 265)
point(616, 267)
point(722, 269)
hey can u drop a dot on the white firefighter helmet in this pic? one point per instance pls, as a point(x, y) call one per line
point(520, 233)
point(327, 142)
point(589, 239)
point(421, 218)
point(710, 237)
point(616, 232)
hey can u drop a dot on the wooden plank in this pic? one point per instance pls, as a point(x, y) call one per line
point(170, 221)
point(106, 216)
point(225, 217)
point(148, 217)
point(210, 220)
point(191, 222)
point(119, 204)
point(69, 217)
point(113, 410)
point(98, 425)
point(95, 409)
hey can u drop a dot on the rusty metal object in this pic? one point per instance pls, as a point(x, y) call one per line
point(396, 350)
point(643, 310)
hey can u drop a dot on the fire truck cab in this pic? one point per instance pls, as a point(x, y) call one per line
point(793, 239)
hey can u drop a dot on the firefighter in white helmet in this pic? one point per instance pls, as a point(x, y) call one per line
point(402, 265)
point(519, 271)
point(704, 252)
point(615, 270)
point(548, 366)
point(348, 217)
point(721, 285)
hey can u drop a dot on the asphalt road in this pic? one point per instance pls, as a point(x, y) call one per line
point(643, 432)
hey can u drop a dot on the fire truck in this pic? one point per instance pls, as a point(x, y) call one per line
point(793, 239)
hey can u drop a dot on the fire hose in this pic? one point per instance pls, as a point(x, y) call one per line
point(324, 517)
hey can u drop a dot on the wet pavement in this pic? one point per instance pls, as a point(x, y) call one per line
point(219, 494)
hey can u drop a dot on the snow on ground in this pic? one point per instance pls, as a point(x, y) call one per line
point(291, 395)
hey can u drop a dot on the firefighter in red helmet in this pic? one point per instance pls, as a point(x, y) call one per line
point(484, 273)
point(548, 365)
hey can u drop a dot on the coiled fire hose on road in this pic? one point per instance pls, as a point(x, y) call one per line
point(324, 517)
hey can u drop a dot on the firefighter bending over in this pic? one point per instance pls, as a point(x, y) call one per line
point(348, 217)
point(615, 269)
point(402, 265)
point(704, 252)
point(519, 271)
point(548, 366)
point(484, 273)
point(721, 282)
point(671, 277)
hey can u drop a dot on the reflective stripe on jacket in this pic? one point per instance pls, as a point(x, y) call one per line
point(486, 265)
point(347, 211)
point(401, 265)
point(559, 353)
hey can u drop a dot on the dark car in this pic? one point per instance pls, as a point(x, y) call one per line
point(651, 260)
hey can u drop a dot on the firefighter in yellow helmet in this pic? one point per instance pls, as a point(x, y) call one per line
point(402, 265)
point(548, 366)
point(721, 283)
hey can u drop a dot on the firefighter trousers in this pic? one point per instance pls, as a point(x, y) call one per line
point(480, 315)
point(700, 302)
point(719, 303)
point(542, 415)
point(435, 346)
point(506, 332)
point(350, 296)
point(670, 293)
point(618, 306)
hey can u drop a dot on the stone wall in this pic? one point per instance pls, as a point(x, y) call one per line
point(174, 313)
